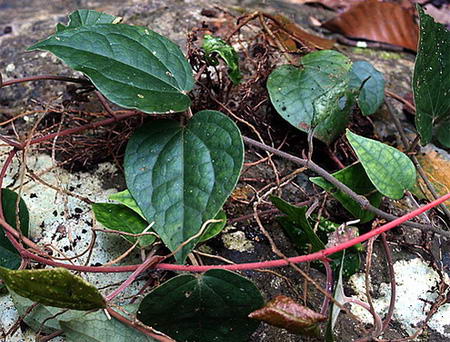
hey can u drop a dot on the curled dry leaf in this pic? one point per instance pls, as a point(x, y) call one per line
point(343, 234)
point(378, 21)
point(284, 312)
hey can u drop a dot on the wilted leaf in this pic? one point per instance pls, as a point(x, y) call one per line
point(431, 81)
point(389, 170)
point(315, 96)
point(207, 307)
point(213, 45)
point(121, 218)
point(368, 83)
point(355, 178)
point(284, 312)
point(132, 66)
point(55, 287)
point(378, 21)
point(181, 176)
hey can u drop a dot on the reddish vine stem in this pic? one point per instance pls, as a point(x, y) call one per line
point(44, 78)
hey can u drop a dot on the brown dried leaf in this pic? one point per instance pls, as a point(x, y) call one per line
point(378, 21)
point(340, 5)
point(284, 312)
point(341, 235)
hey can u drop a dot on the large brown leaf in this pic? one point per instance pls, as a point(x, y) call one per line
point(284, 312)
point(378, 21)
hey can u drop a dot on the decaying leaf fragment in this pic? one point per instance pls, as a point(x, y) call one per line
point(284, 312)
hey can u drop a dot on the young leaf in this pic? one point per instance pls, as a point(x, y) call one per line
point(132, 66)
point(86, 17)
point(9, 257)
point(55, 287)
point(389, 170)
point(284, 312)
point(213, 45)
point(215, 228)
point(121, 218)
point(431, 80)
point(181, 176)
point(314, 96)
point(210, 307)
point(356, 179)
point(126, 199)
point(368, 83)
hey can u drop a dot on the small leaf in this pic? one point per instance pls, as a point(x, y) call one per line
point(213, 45)
point(121, 218)
point(132, 66)
point(431, 80)
point(181, 176)
point(126, 199)
point(215, 228)
point(368, 82)
point(284, 312)
point(315, 96)
point(389, 170)
point(355, 178)
point(339, 294)
point(209, 307)
point(86, 17)
point(55, 287)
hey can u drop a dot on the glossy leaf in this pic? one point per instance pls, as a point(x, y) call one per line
point(355, 178)
point(86, 17)
point(181, 176)
point(315, 96)
point(431, 80)
point(214, 45)
point(368, 83)
point(9, 257)
point(132, 66)
point(389, 170)
point(126, 199)
point(284, 312)
point(55, 287)
point(120, 217)
point(215, 228)
point(209, 307)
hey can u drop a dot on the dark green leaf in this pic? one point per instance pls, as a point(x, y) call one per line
point(55, 287)
point(126, 199)
point(207, 307)
point(431, 80)
point(315, 96)
point(215, 228)
point(443, 133)
point(368, 83)
point(86, 17)
point(356, 179)
point(213, 45)
point(120, 217)
point(132, 66)
point(389, 170)
point(181, 176)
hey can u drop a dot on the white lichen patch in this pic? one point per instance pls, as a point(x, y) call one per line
point(236, 240)
point(416, 289)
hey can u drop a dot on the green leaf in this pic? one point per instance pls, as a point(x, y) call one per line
point(389, 170)
point(120, 217)
point(126, 199)
point(181, 176)
point(356, 179)
point(207, 307)
point(55, 287)
point(315, 96)
point(339, 296)
point(431, 80)
point(9, 256)
point(215, 228)
point(443, 133)
point(86, 17)
point(368, 82)
point(213, 45)
point(132, 66)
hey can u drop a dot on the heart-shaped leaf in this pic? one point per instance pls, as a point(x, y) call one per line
point(86, 17)
point(284, 312)
point(431, 80)
point(55, 287)
point(126, 199)
point(368, 83)
point(9, 256)
point(181, 176)
point(210, 307)
point(389, 170)
point(120, 217)
point(355, 178)
point(315, 96)
point(132, 66)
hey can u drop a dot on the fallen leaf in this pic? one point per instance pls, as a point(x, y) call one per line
point(340, 5)
point(284, 312)
point(377, 21)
